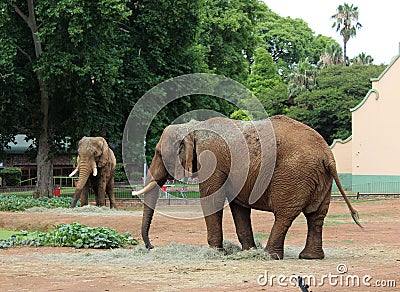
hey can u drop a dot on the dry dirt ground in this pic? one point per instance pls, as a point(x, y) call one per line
point(371, 256)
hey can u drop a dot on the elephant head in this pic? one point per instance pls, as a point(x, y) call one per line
point(174, 157)
point(93, 153)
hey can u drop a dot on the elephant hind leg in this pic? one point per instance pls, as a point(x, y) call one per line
point(315, 221)
point(276, 240)
point(241, 217)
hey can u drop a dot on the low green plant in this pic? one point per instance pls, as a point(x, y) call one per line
point(15, 203)
point(72, 235)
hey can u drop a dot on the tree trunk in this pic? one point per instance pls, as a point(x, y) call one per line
point(44, 185)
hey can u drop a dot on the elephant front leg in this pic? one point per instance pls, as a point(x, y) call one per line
point(212, 204)
point(214, 230)
point(101, 195)
point(242, 219)
point(76, 197)
point(84, 197)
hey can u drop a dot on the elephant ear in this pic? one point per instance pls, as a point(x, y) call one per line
point(103, 152)
point(188, 151)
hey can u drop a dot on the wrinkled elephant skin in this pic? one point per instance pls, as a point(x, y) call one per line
point(298, 181)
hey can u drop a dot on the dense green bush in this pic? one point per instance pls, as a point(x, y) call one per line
point(19, 203)
point(72, 235)
point(119, 173)
point(11, 176)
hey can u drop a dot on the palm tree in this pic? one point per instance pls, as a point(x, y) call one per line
point(331, 56)
point(302, 78)
point(345, 18)
point(362, 58)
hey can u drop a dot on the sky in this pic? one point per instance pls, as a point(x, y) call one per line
point(380, 20)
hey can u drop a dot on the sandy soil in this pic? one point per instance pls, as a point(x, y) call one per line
point(371, 255)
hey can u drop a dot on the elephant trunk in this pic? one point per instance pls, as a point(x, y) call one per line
point(150, 202)
point(84, 172)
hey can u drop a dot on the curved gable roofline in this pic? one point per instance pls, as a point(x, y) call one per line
point(340, 141)
point(394, 59)
point(373, 90)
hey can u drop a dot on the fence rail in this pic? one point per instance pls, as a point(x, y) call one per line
point(124, 191)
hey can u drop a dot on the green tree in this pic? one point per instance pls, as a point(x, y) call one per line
point(266, 84)
point(331, 56)
point(302, 78)
point(228, 35)
point(64, 61)
point(286, 39)
point(327, 107)
point(362, 58)
point(319, 46)
point(346, 22)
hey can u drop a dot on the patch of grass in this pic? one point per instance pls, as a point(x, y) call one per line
point(6, 233)
point(337, 216)
point(333, 223)
point(348, 241)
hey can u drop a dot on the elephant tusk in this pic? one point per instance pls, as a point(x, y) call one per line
point(146, 189)
point(74, 172)
point(95, 171)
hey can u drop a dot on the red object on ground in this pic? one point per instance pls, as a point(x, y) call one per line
point(57, 191)
point(163, 189)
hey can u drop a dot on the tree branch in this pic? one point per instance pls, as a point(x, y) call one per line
point(20, 13)
point(23, 52)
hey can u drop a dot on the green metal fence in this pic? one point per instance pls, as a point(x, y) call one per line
point(192, 190)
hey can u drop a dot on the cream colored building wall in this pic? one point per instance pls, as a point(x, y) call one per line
point(376, 126)
point(342, 151)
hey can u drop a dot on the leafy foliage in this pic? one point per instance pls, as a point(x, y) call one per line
point(72, 235)
point(99, 57)
point(119, 173)
point(11, 176)
point(15, 203)
point(327, 107)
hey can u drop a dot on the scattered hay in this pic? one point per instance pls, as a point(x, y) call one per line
point(88, 209)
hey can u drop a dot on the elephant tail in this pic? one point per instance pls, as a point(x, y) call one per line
point(354, 214)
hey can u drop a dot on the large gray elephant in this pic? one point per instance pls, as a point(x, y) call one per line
point(278, 165)
point(95, 164)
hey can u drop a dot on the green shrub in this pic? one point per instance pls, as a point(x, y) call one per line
point(72, 235)
point(11, 176)
point(15, 203)
point(119, 173)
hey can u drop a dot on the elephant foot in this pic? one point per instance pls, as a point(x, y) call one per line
point(274, 254)
point(247, 246)
point(149, 246)
point(308, 254)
